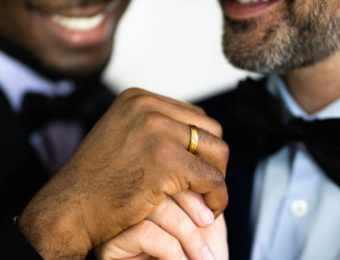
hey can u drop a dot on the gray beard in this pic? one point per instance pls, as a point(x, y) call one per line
point(291, 44)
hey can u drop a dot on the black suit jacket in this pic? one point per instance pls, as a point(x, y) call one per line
point(22, 174)
point(240, 172)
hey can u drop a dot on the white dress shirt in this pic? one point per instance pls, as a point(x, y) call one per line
point(295, 208)
point(16, 79)
point(55, 142)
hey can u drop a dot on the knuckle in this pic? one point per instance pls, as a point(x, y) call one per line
point(223, 156)
point(162, 209)
point(146, 229)
point(155, 121)
point(218, 128)
point(216, 177)
point(224, 150)
point(224, 199)
point(194, 237)
point(131, 92)
point(199, 109)
point(174, 248)
point(153, 126)
point(222, 205)
point(215, 127)
point(211, 174)
point(144, 102)
point(185, 226)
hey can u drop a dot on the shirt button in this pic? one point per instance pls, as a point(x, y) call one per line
point(299, 208)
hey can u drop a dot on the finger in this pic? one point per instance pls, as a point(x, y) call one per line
point(194, 206)
point(187, 117)
point(138, 92)
point(214, 189)
point(200, 177)
point(216, 237)
point(190, 106)
point(170, 217)
point(178, 111)
point(143, 238)
point(140, 257)
point(210, 148)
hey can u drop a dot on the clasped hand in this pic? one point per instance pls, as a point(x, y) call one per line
point(131, 167)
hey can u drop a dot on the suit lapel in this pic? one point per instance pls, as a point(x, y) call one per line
point(21, 174)
point(240, 173)
point(240, 185)
point(240, 177)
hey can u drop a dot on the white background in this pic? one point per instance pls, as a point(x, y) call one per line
point(172, 47)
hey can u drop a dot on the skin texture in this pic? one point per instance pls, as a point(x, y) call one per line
point(316, 86)
point(128, 165)
point(111, 184)
point(22, 30)
point(146, 234)
point(289, 35)
point(300, 38)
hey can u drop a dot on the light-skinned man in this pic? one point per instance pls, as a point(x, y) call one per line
point(283, 175)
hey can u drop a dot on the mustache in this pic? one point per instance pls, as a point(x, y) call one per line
point(60, 5)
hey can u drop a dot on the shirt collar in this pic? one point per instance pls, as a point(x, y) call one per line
point(16, 79)
point(277, 86)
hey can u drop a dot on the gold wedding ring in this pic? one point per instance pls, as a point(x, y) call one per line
point(194, 138)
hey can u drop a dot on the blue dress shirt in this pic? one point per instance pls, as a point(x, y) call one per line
point(55, 142)
point(295, 207)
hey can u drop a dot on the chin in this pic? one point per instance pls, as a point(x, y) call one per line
point(280, 36)
point(77, 71)
point(74, 64)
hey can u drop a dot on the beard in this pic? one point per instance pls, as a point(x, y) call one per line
point(295, 34)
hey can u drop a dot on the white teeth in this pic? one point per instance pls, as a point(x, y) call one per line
point(251, 1)
point(79, 23)
point(245, 1)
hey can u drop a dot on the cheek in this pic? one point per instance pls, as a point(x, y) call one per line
point(303, 8)
point(320, 12)
point(15, 24)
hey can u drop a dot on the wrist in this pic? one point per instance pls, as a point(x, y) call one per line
point(54, 234)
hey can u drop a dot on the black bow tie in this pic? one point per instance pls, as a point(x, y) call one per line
point(263, 125)
point(85, 105)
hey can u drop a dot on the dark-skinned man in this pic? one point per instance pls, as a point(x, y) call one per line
point(132, 172)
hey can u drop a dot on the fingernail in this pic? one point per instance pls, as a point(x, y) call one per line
point(207, 254)
point(205, 215)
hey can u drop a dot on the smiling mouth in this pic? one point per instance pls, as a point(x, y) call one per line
point(246, 9)
point(78, 25)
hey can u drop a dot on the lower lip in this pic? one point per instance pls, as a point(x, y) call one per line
point(238, 11)
point(78, 39)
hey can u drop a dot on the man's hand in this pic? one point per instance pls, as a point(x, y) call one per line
point(134, 158)
point(168, 234)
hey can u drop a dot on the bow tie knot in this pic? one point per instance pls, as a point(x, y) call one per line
point(85, 105)
point(298, 130)
point(262, 128)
